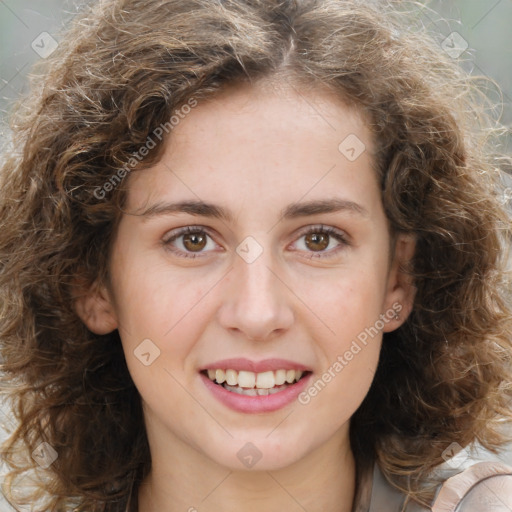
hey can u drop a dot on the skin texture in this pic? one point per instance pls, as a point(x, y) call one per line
point(252, 150)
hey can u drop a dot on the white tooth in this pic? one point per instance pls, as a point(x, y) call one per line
point(280, 377)
point(220, 376)
point(262, 392)
point(298, 374)
point(239, 391)
point(212, 374)
point(276, 390)
point(265, 380)
point(231, 377)
point(234, 389)
point(290, 376)
point(246, 379)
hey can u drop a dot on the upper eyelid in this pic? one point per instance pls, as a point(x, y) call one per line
point(321, 227)
point(301, 231)
point(177, 232)
point(331, 230)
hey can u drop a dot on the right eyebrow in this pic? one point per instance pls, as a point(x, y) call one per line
point(198, 208)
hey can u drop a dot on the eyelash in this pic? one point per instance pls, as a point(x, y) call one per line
point(320, 229)
point(339, 236)
point(189, 230)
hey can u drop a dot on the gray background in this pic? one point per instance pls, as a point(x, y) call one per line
point(484, 25)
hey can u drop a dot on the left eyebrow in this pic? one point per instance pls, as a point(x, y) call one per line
point(292, 211)
point(304, 209)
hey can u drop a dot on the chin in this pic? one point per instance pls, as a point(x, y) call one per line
point(258, 454)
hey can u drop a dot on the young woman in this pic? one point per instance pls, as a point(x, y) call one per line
point(252, 257)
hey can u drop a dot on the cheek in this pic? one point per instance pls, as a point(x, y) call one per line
point(347, 302)
point(349, 351)
point(161, 314)
point(153, 299)
point(171, 310)
point(350, 309)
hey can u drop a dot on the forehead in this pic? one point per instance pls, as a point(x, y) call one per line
point(264, 140)
point(271, 114)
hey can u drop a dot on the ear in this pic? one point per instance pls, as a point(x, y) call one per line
point(95, 308)
point(400, 286)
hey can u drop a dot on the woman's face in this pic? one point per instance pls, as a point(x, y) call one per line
point(259, 238)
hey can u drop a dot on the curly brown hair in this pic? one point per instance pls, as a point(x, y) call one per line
point(123, 68)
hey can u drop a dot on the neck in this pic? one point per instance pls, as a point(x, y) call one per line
point(322, 481)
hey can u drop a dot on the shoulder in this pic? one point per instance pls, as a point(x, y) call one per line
point(493, 495)
point(475, 481)
point(482, 486)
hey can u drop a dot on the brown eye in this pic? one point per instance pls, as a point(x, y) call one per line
point(194, 241)
point(190, 242)
point(322, 242)
point(317, 241)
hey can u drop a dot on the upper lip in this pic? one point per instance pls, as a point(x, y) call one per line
point(265, 365)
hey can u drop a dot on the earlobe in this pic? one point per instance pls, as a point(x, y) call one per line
point(401, 290)
point(95, 308)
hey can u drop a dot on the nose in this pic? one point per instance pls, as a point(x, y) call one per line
point(256, 302)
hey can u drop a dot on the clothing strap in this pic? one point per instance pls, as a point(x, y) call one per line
point(455, 488)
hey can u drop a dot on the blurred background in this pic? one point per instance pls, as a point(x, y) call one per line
point(477, 33)
point(482, 38)
point(29, 30)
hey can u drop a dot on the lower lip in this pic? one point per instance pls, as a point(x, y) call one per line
point(255, 404)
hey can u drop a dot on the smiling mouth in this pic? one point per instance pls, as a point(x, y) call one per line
point(255, 384)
